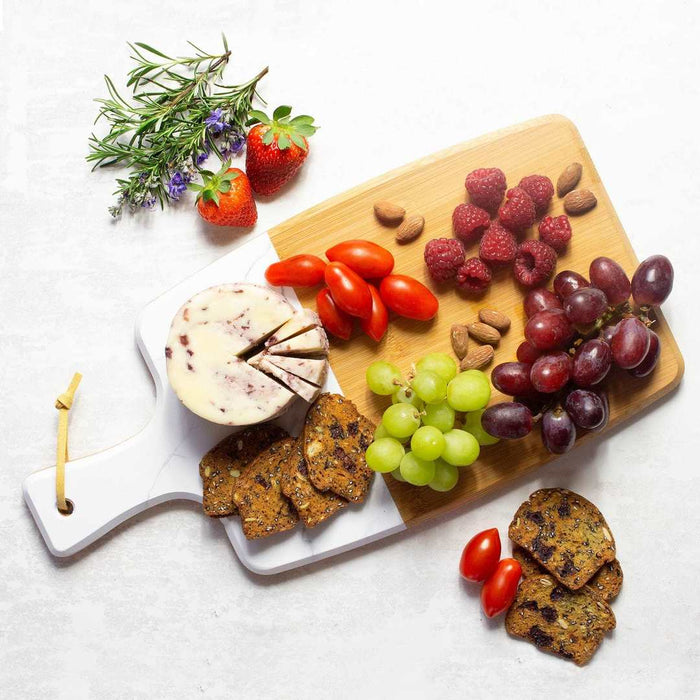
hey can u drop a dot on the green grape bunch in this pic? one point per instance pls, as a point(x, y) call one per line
point(417, 441)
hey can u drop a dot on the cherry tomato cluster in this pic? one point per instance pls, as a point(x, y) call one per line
point(359, 284)
point(481, 562)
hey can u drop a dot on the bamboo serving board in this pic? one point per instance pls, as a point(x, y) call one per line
point(433, 187)
point(161, 462)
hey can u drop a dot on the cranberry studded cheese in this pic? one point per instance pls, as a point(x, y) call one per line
point(208, 339)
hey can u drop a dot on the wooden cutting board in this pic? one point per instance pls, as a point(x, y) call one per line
point(433, 187)
point(160, 463)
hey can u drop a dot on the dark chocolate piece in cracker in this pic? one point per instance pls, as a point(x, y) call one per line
point(564, 533)
point(607, 581)
point(257, 493)
point(570, 624)
point(336, 437)
point(227, 460)
point(312, 505)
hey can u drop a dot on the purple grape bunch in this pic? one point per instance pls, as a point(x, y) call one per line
point(574, 336)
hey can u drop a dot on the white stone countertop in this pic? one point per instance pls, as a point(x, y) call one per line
point(161, 607)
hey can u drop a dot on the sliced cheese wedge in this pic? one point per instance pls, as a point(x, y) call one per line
point(302, 320)
point(312, 342)
point(307, 391)
point(307, 368)
point(206, 337)
point(254, 360)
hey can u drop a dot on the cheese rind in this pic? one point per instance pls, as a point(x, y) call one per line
point(308, 368)
point(312, 342)
point(206, 337)
point(307, 391)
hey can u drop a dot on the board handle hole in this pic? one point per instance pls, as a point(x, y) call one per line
point(70, 507)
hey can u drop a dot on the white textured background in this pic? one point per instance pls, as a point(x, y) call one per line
point(161, 608)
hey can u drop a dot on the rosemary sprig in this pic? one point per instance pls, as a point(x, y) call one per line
point(179, 112)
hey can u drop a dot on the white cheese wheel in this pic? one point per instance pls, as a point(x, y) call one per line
point(207, 336)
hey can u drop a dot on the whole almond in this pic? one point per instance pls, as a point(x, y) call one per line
point(579, 202)
point(459, 335)
point(477, 358)
point(389, 213)
point(483, 333)
point(410, 228)
point(569, 179)
point(494, 318)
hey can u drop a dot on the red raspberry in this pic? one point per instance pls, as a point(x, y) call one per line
point(540, 189)
point(534, 263)
point(555, 232)
point(443, 256)
point(473, 276)
point(498, 245)
point(486, 187)
point(518, 211)
point(469, 222)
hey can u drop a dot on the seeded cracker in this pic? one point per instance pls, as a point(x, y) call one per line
point(570, 624)
point(312, 505)
point(226, 461)
point(335, 439)
point(258, 495)
point(564, 533)
point(607, 581)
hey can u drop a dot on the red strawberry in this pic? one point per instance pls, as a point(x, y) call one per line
point(225, 198)
point(276, 148)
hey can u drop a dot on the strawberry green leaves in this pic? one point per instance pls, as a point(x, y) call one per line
point(283, 130)
point(214, 184)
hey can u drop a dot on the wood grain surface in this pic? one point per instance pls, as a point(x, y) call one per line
point(433, 187)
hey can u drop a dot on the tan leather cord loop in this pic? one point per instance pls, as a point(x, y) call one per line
point(63, 404)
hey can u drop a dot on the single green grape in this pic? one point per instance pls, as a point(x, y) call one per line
point(407, 395)
point(397, 475)
point(401, 420)
point(418, 472)
point(461, 448)
point(384, 455)
point(429, 386)
point(439, 415)
point(440, 363)
point(383, 378)
point(472, 424)
point(427, 442)
point(469, 391)
point(446, 476)
point(381, 432)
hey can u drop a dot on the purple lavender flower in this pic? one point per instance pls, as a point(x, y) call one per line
point(233, 144)
point(215, 122)
point(177, 185)
point(203, 155)
point(149, 203)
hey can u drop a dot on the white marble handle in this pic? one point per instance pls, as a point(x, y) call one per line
point(106, 489)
